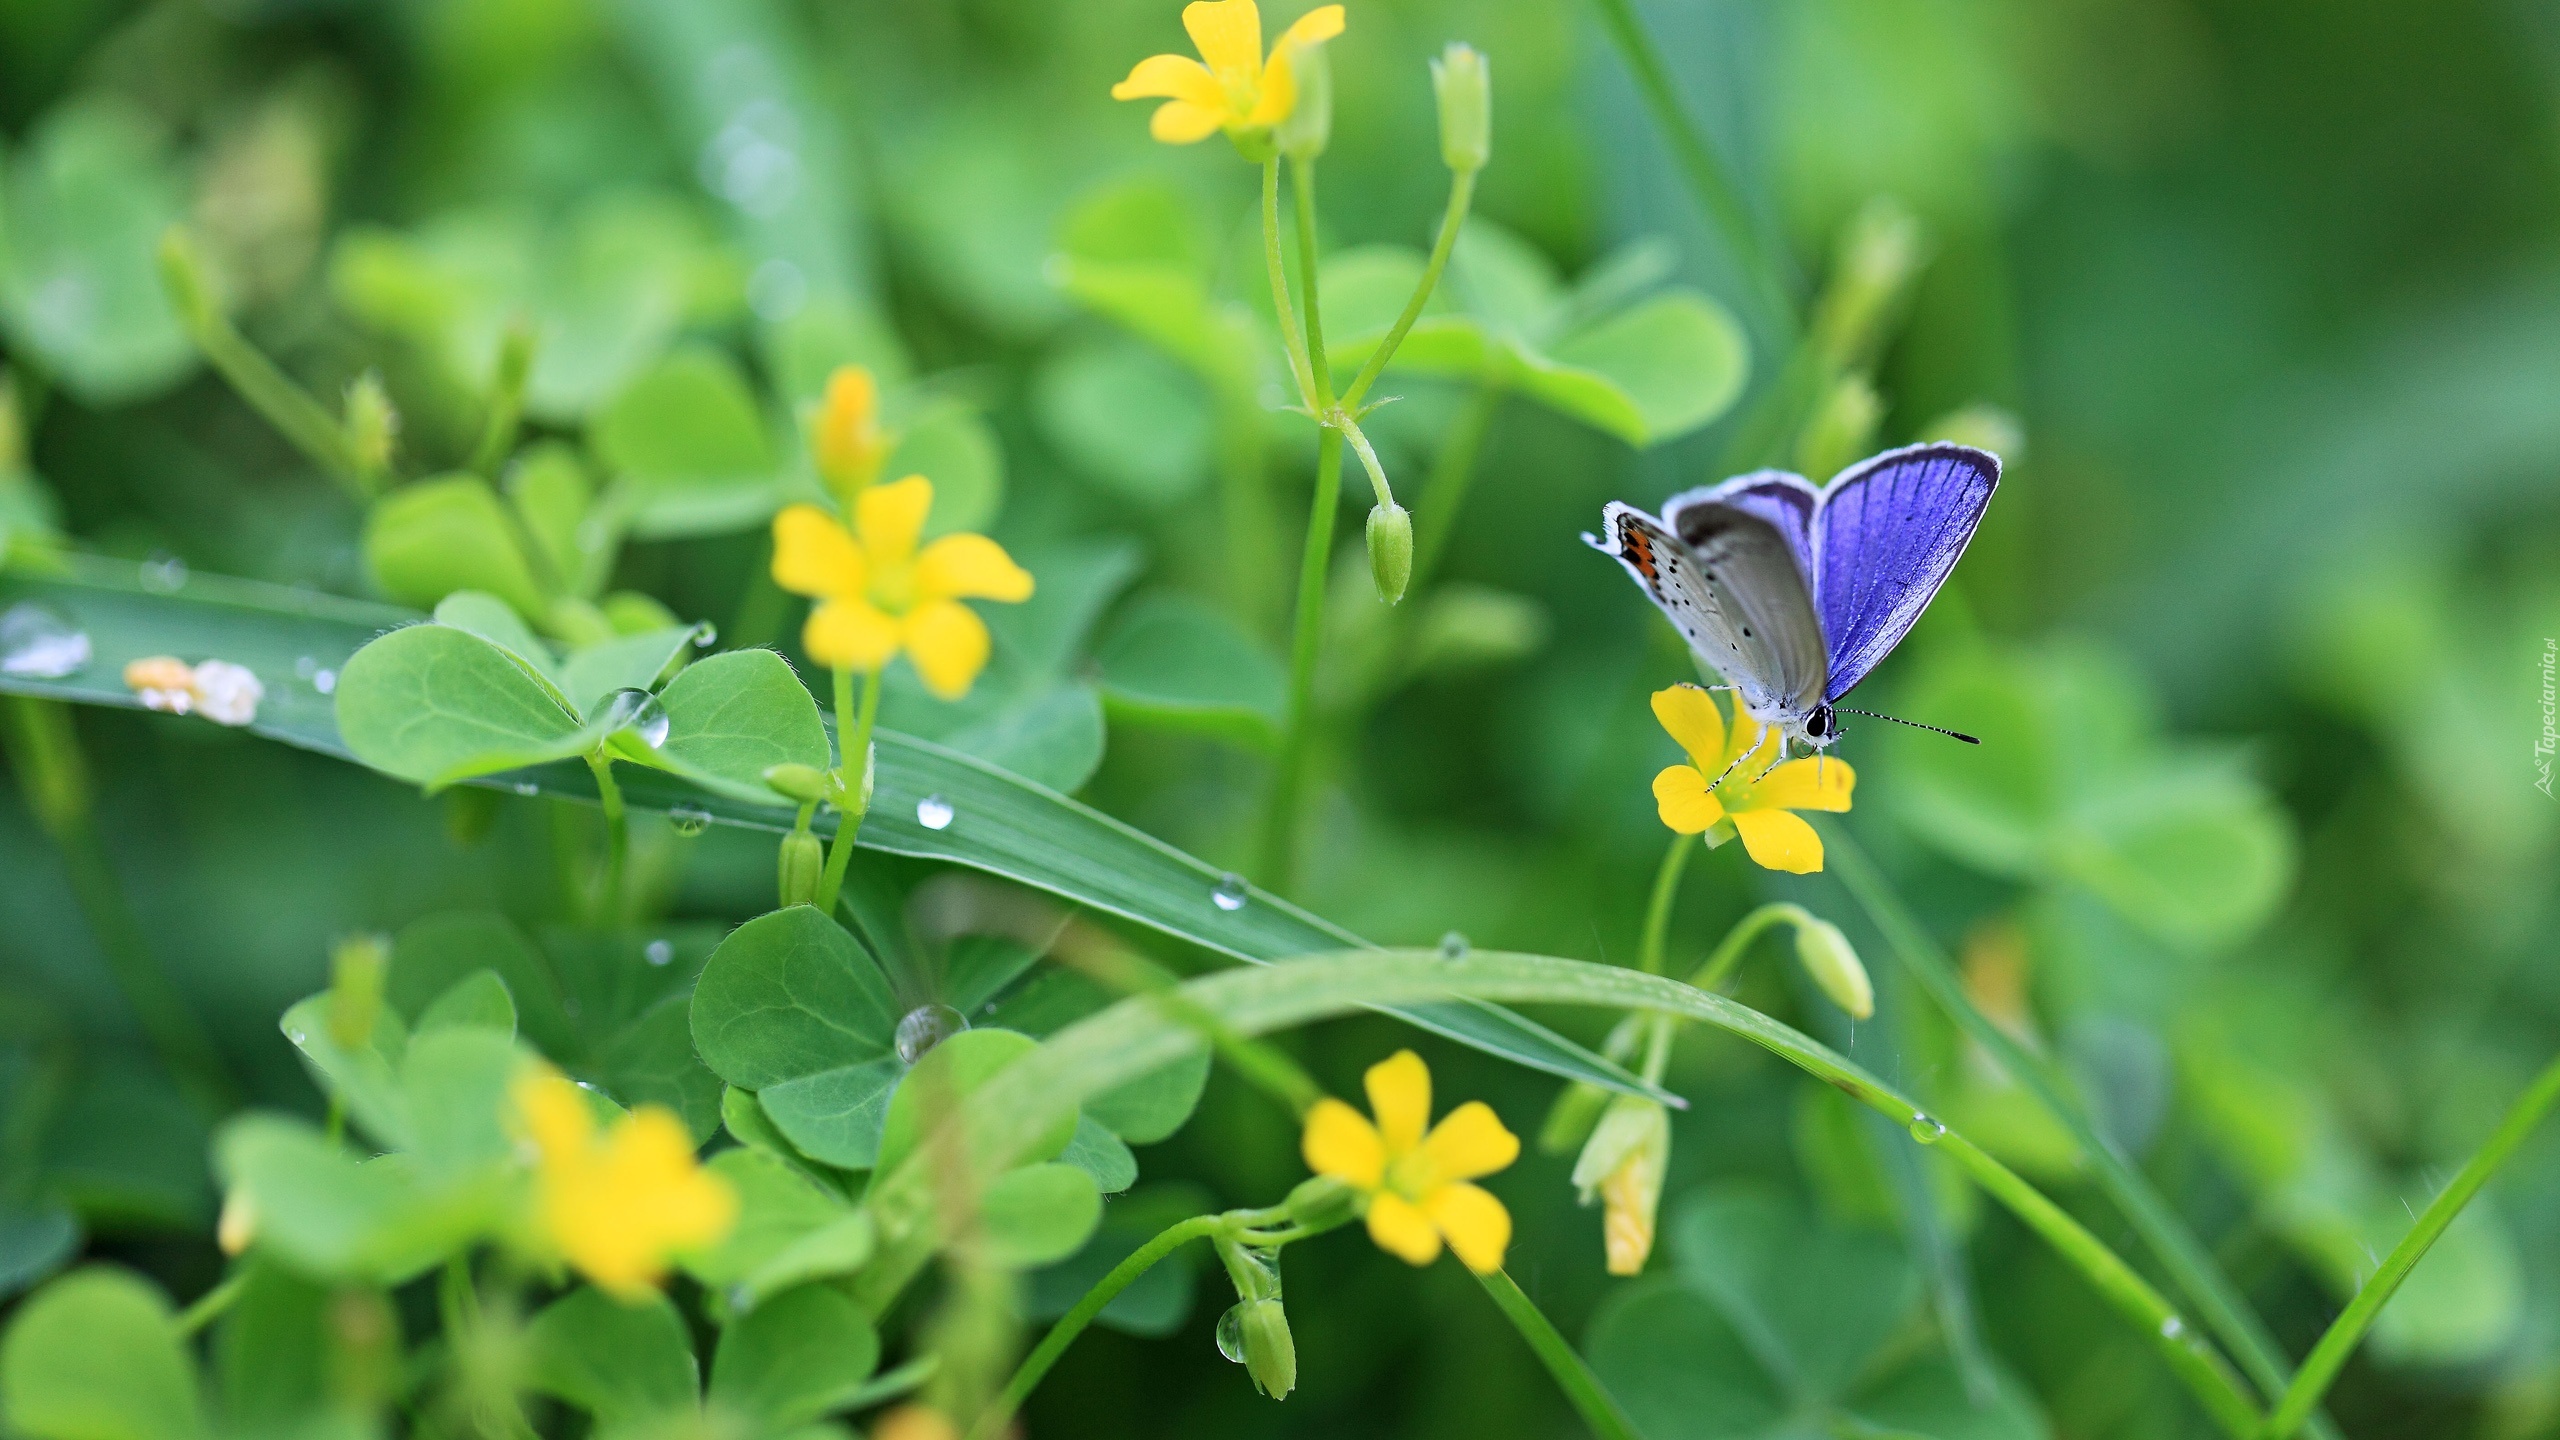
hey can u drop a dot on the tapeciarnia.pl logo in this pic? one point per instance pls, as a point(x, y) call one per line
point(2549, 742)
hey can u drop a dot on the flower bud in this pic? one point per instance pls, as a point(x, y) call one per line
point(1390, 549)
point(1270, 1354)
point(359, 971)
point(802, 864)
point(1464, 84)
point(844, 435)
point(238, 1225)
point(1322, 1202)
point(1623, 1164)
point(373, 426)
point(802, 784)
point(1308, 127)
point(1833, 964)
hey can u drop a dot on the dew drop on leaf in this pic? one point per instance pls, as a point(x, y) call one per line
point(164, 574)
point(659, 952)
point(1230, 893)
point(924, 1027)
point(639, 712)
point(934, 813)
point(1453, 946)
point(1926, 1129)
point(689, 820)
point(38, 642)
point(1231, 1333)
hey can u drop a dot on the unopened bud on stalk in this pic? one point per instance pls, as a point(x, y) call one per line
point(1323, 1202)
point(359, 968)
point(1833, 964)
point(373, 426)
point(806, 784)
point(1309, 125)
point(803, 863)
point(1465, 86)
point(1390, 549)
point(1623, 1165)
point(238, 1225)
point(1270, 1354)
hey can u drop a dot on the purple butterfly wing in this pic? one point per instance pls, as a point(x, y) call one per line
point(1885, 536)
point(1786, 500)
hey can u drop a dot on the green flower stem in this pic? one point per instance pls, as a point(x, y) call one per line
point(210, 1305)
point(1036, 1365)
point(1359, 442)
point(2189, 1265)
point(1706, 173)
point(852, 766)
point(1453, 471)
point(1657, 909)
point(2327, 1357)
point(1591, 1400)
point(1302, 185)
point(1289, 776)
point(294, 412)
point(617, 839)
point(1300, 368)
point(1462, 191)
point(1261, 1065)
point(506, 401)
point(54, 778)
point(1737, 942)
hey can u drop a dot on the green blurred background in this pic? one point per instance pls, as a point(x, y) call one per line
point(2270, 289)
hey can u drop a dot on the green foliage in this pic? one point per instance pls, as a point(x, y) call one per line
point(83, 205)
point(97, 1356)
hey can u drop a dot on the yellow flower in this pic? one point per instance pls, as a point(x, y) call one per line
point(1416, 1183)
point(844, 435)
point(1237, 89)
point(1753, 794)
point(878, 594)
point(616, 1206)
point(1622, 1165)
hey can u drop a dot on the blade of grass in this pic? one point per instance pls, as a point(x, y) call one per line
point(1589, 1398)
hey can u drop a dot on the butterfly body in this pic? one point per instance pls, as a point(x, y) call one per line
point(1794, 592)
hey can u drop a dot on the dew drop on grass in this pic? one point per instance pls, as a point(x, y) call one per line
point(526, 788)
point(164, 574)
point(705, 635)
point(1926, 1130)
point(1230, 893)
point(1453, 946)
point(924, 1027)
point(2172, 1328)
point(659, 952)
point(689, 820)
point(639, 712)
point(326, 682)
point(38, 642)
point(934, 813)
point(1231, 1333)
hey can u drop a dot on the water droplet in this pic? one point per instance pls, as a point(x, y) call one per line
point(925, 1027)
point(2172, 1328)
point(639, 712)
point(1231, 1333)
point(935, 813)
point(164, 573)
point(705, 635)
point(38, 642)
point(1925, 1129)
point(659, 952)
point(1230, 893)
point(1453, 946)
point(306, 666)
point(741, 1300)
point(689, 820)
point(294, 1034)
point(526, 788)
point(326, 682)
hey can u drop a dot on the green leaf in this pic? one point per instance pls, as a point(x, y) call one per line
point(478, 999)
point(735, 715)
point(794, 1357)
point(34, 1241)
point(835, 1116)
point(1053, 739)
point(96, 1355)
point(1814, 1302)
point(953, 448)
point(366, 1077)
point(780, 1211)
point(1131, 421)
point(652, 1063)
point(1038, 1215)
point(321, 1211)
point(552, 498)
point(616, 1360)
point(86, 201)
point(273, 1350)
point(477, 612)
point(1175, 662)
point(1678, 357)
point(1153, 1106)
point(1157, 1302)
point(426, 540)
point(1172, 309)
point(628, 662)
point(456, 1080)
point(788, 994)
point(433, 953)
point(433, 705)
point(689, 447)
point(1099, 1153)
point(956, 1069)
point(1679, 1367)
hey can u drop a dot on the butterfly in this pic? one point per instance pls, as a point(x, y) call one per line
point(1794, 593)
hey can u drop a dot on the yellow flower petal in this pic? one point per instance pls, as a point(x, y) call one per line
point(969, 567)
point(1748, 737)
point(1821, 783)
point(948, 644)
point(1404, 1230)
point(1171, 77)
point(1340, 1142)
point(851, 634)
point(1228, 34)
point(1479, 1229)
point(890, 517)
point(555, 1114)
point(1179, 122)
point(1400, 1096)
point(1777, 840)
point(1470, 1141)
point(1689, 713)
point(1680, 795)
point(1279, 90)
point(812, 554)
point(1313, 28)
point(846, 435)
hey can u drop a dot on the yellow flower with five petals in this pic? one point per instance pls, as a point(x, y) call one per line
point(617, 1206)
point(1238, 89)
point(1731, 776)
point(845, 438)
point(1415, 1182)
point(879, 594)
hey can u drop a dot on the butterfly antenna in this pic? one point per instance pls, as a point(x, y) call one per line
point(1914, 724)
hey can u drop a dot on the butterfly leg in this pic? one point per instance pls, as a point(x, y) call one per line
point(1737, 760)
